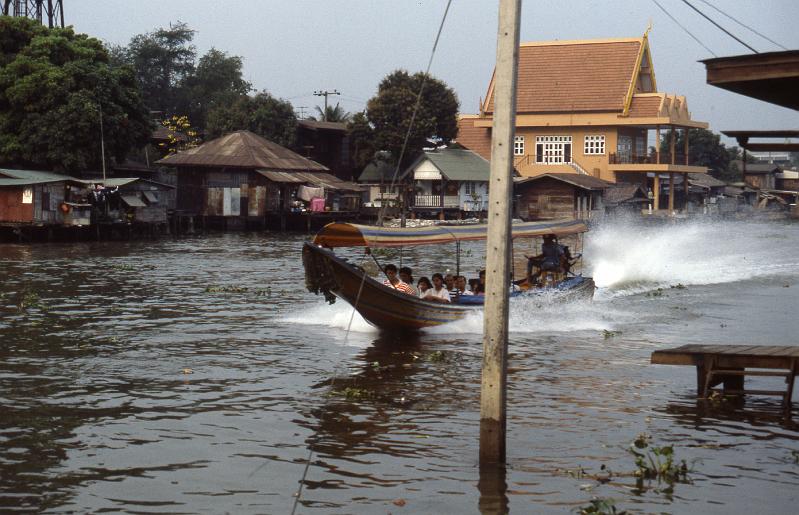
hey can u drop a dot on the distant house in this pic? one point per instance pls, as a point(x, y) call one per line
point(761, 175)
point(448, 181)
point(326, 143)
point(558, 195)
point(242, 176)
point(591, 107)
point(382, 187)
point(623, 197)
point(29, 197)
point(788, 180)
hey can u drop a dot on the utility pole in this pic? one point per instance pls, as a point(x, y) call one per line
point(302, 111)
point(493, 390)
point(325, 94)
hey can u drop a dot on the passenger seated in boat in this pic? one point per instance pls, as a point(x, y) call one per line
point(461, 286)
point(473, 284)
point(439, 292)
point(481, 284)
point(423, 286)
point(395, 282)
point(406, 276)
point(548, 261)
point(449, 281)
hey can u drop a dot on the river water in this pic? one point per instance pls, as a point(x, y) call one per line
point(198, 376)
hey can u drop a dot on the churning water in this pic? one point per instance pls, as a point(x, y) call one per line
point(198, 375)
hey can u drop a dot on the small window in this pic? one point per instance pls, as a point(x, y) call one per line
point(518, 146)
point(46, 201)
point(27, 196)
point(594, 145)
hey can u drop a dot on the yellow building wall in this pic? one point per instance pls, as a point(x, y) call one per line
point(595, 165)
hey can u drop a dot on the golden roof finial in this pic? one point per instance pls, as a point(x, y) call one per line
point(648, 28)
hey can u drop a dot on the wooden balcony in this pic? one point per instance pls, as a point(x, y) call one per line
point(434, 201)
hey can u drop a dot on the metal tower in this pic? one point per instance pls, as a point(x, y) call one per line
point(50, 10)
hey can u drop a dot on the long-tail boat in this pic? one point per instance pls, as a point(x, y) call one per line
point(387, 308)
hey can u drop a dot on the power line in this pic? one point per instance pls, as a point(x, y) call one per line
point(689, 4)
point(742, 24)
point(683, 28)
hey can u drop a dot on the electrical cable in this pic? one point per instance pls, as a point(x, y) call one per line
point(683, 28)
point(705, 16)
point(742, 24)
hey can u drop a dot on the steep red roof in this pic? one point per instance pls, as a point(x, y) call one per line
point(476, 139)
point(573, 76)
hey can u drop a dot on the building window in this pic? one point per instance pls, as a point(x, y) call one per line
point(518, 146)
point(553, 149)
point(594, 145)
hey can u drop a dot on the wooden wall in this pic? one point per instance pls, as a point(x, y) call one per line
point(11, 207)
point(546, 198)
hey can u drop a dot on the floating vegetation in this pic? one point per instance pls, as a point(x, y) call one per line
point(678, 286)
point(795, 455)
point(31, 300)
point(610, 334)
point(657, 462)
point(352, 393)
point(600, 507)
point(656, 293)
point(258, 292)
point(437, 357)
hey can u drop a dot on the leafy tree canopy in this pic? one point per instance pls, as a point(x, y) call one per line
point(704, 149)
point(361, 139)
point(332, 114)
point(163, 60)
point(217, 80)
point(55, 86)
point(391, 110)
point(262, 114)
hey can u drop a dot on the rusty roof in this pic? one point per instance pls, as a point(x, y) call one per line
point(242, 149)
point(623, 192)
point(586, 182)
point(322, 179)
point(572, 76)
point(646, 106)
point(325, 126)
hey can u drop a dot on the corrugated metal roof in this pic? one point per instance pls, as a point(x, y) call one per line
point(35, 176)
point(23, 182)
point(586, 182)
point(705, 180)
point(242, 149)
point(623, 192)
point(133, 200)
point(379, 169)
point(328, 126)
point(151, 196)
point(455, 164)
point(324, 180)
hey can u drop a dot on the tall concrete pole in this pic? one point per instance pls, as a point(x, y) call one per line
point(495, 335)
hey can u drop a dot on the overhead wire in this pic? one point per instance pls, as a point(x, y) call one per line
point(708, 18)
point(415, 110)
point(683, 28)
point(742, 24)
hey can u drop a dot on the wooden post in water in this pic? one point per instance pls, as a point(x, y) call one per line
point(495, 333)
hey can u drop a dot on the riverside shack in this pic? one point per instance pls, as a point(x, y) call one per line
point(242, 179)
point(30, 198)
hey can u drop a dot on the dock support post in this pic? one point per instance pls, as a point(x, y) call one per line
point(493, 395)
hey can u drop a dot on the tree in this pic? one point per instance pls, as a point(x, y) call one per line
point(391, 110)
point(361, 139)
point(332, 114)
point(163, 60)
point(262, 114)
point(217, 80)
point(704, 149)
point(55, 88)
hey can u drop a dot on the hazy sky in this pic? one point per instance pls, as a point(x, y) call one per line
point(293, 47)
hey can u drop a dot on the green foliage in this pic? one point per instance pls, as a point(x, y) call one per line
point(704, 149)
point(362, 146)
point(332, 114)
point(391, 110)
point(600, 507)
point(55, 86)
point(609, 334)
point(181, 135)
point(163, 60)
point(217, 80)
point(262, 114)
point(657, 462)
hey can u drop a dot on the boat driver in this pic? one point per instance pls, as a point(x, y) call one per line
point(548, 261)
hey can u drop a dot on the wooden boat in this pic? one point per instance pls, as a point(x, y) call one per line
point(387, 308)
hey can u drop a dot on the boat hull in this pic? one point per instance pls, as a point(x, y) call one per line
point(385, 308)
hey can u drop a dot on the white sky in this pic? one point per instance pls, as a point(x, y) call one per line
point(294, 47)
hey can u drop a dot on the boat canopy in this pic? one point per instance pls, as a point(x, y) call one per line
point(353, 235)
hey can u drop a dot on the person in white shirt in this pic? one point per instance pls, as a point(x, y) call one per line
point(424, 285)
point(439, 292)
point(461, 286)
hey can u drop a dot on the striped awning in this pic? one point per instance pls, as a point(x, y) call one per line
point(353, 235)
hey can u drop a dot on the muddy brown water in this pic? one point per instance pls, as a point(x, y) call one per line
point(198, 376)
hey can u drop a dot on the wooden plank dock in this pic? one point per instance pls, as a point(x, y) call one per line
point(728, 365)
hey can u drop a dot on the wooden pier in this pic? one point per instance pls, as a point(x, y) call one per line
point(728, 365)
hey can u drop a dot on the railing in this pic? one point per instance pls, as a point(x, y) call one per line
point(435, 201)
point(634, 159)
point(475, 205)
point(577, 168)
